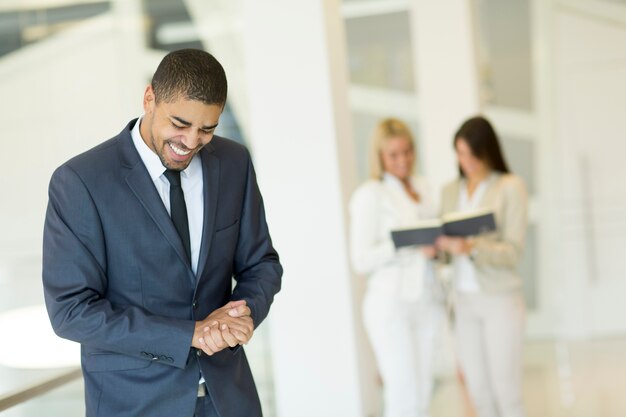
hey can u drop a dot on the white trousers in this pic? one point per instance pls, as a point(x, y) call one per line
point(489, 332)
point(403, 336)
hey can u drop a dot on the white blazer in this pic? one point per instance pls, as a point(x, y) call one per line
point(377, 208)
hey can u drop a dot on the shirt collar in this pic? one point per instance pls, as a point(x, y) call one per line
point(395, 181)
point(153, 162)
point(485, 181)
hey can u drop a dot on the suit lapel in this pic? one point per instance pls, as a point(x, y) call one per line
point(400, 204)
point(142, 186)
point(210, 177)
point(488, 199)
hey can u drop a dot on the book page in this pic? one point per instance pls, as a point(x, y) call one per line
point(463, 215)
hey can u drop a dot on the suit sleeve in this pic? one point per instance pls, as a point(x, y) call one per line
point(257, 270)
point(75, 284)
point(507, 251)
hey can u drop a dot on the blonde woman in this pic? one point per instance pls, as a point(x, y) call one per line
point(489, 306)
point(401, 315)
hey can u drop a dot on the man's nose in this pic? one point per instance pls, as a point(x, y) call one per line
point(191, 140)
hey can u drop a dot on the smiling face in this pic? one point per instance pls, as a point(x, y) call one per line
point(397, 156)
point(178, 129)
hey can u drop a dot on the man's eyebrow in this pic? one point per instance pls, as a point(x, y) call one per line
point(187, 124)
point(182, 121)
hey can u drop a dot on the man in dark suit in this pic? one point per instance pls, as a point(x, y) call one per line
point(143, 235)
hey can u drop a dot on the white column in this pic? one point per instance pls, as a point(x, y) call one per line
point(129, 22)
point(218, 23)
point(446, 79)
point(300, 134)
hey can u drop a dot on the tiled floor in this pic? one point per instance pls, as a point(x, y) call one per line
point(66, 401)
point(561, 379)
point(573, 379)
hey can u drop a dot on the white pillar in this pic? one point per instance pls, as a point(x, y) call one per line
point(300, 134)
point(218, 23)
point(129, 22)
point(446, 79)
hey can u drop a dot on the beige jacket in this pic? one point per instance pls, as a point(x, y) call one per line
point(497, 255)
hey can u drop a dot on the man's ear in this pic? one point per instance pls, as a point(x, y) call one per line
point(149, 100)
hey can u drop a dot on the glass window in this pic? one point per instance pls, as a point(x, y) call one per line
point(379, 51)
point(504, 54)
point(19, 28)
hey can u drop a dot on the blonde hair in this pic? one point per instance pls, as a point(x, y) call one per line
point(386, 129)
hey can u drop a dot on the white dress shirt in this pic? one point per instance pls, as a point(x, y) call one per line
point(464, 269)
point(191, 182)
point(377, 208)
point(192, 185)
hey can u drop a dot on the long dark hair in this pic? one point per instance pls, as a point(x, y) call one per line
point(481, 138)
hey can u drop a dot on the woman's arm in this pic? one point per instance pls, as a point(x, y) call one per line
point(506, 252)
point(367, 250)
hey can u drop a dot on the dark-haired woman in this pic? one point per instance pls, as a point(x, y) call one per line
point(489, 307)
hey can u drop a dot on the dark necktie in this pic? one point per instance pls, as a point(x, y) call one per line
point(178, 209)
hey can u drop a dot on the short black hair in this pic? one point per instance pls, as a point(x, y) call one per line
point(191, 73)
point(481, 138)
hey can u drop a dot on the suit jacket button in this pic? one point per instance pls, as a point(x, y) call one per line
point(194, 304)
point(198, 352)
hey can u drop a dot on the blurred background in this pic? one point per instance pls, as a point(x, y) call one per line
point(308, 80)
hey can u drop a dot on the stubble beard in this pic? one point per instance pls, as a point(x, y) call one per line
point(161, 154)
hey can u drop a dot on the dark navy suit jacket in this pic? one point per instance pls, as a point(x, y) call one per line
point(117, 279)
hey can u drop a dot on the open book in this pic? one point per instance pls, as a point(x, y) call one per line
point(462, 224)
